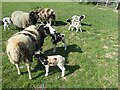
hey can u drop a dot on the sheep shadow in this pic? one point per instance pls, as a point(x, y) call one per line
point(84, 24)
point(60, 23)
point(64, 53)
point(69, 70)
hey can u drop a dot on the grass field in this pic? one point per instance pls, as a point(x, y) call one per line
point(92, 55)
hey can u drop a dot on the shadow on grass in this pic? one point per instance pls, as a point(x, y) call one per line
point(54, 69)
point(84, 24)
point(60, 23)
point(57, 23)
point(64, 53)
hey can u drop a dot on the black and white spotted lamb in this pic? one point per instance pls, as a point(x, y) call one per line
point(59, 37)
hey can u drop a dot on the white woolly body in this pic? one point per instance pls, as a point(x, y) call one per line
point(20, 19)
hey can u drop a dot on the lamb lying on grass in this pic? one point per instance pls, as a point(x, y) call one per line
point(55, 60)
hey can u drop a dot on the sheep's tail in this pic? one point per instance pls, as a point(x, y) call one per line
point(13, 54)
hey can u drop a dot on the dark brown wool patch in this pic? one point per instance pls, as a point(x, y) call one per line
point(31, 37)
point(48, 10)
point(25, 51)
point(31, 32)
point(55, 58)
point(43, 11)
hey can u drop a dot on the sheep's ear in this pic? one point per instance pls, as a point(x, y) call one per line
point(47, 31)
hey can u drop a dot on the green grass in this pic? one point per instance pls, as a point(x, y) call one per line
point(92, 56)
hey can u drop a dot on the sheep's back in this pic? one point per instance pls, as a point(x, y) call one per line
point(20, 47)
point(20, 19)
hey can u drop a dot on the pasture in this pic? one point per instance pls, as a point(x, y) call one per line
point(91, 57)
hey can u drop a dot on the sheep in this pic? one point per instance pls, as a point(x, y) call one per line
point(59, 37)
point(54, 60)
point(6, 21)
point(22, 19)
point(22, 45)
point(46, 15)
point(75, 22)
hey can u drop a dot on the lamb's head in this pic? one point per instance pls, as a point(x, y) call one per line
point(33, 17)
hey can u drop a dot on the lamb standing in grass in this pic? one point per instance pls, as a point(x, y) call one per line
point(22, 45)
point(22, 19)
point(6, 22)
point(55, 60)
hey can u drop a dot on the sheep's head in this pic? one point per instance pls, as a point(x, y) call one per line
point(81, 17)
point(48, 30)
point(33, 17)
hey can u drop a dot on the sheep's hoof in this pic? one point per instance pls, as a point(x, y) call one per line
point(46, 75)
point(19, 73)
point(30, 78)
point(64, 78)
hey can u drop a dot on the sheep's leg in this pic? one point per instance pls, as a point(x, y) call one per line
point(61, 66)
point(54, 22)
point(65, 45)
point(5, 24)
point(77, 29)
point(8, 27)
point(46, 69)
point(69, 27)
point(54, 50)
point(29, 72)
point(80, 30)
point(18, 69)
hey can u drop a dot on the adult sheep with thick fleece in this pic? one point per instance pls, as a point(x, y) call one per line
point(23, 19)
point(22, 45)
point(46, 15)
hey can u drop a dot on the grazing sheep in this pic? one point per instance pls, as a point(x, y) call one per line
point(54, 60)
point(6, 21)
point(46, 15)
point(22, 19)
point(59, 37)
point(22, 45)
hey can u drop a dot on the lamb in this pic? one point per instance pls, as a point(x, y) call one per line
point(22, 19)
point(22, 45)
point(54, 60)
point(6, 22)
point(59, 37)
point(46, 15)
point(76, 22)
